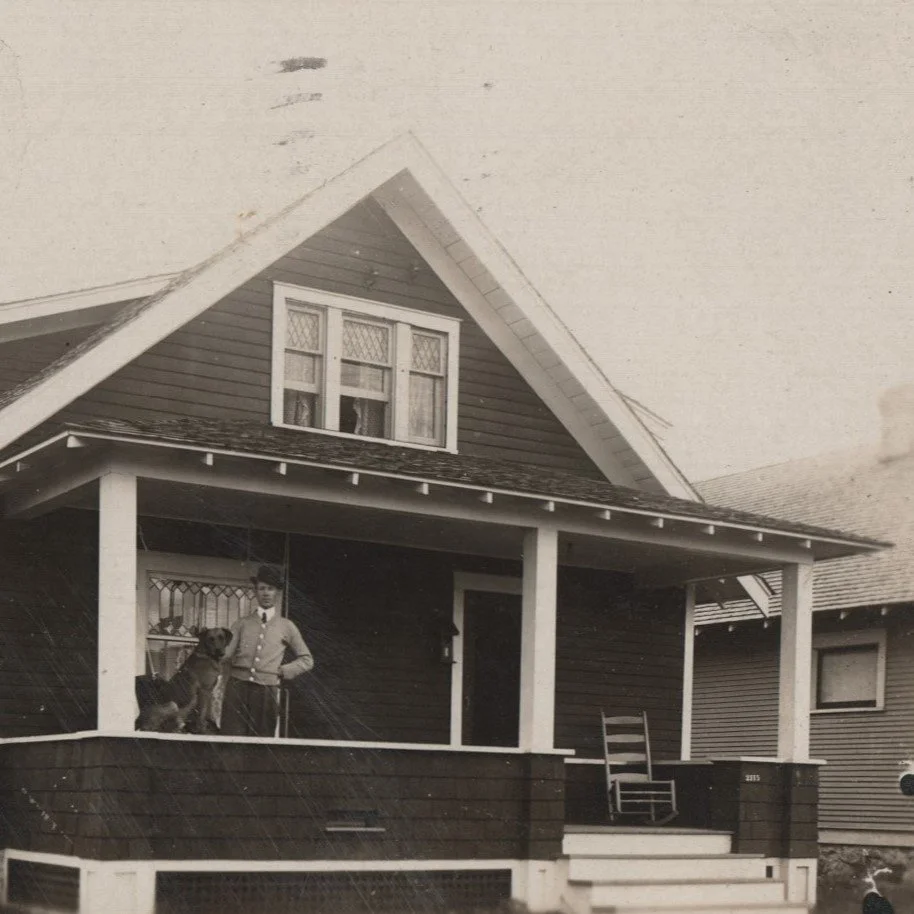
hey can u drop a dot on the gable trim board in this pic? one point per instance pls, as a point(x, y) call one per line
point(403, 159)
point(31, 317)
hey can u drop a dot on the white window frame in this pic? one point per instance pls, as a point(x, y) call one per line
point(402, 321)
point(865, 638)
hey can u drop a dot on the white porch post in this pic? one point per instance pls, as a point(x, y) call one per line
point(688, 672)
point(116, 601)
point(537, 669)
point(796, 658)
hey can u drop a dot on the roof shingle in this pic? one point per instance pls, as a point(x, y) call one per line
point(850, 489)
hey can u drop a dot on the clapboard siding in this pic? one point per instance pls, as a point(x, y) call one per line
point(735, 712)
point(133, 798)
point(20, 359)
point(618, 650)
point(735, 698)
point(218, 365)
point(48, 614)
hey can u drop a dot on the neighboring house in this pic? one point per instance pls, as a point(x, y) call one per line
point(484, 546)
point(862, 721)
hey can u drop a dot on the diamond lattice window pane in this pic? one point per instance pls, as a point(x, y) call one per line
point(427, 352)
point(303, 330)
point(366, 342)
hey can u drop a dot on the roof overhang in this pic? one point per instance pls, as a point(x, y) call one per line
point(31, 317)
point(662, 548)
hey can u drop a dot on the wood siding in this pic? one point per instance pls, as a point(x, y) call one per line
point(735, 696)
point(619, 650)
point(20, 359)
point(218, 365)
point(113, 798)
point(48, 616)
point(736, 713)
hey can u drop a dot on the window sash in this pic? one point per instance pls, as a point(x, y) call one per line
point(833, 690)
point(338, 316)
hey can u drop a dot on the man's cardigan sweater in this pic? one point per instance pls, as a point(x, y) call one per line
point(257, 648)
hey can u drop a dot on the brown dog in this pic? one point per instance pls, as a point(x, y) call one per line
point(185, 700)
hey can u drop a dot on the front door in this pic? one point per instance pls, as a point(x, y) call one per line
point(491, 668)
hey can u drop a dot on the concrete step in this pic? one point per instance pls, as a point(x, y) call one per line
point(666, 867)
point(784, 908)
point(676, 895)
point(644, 842)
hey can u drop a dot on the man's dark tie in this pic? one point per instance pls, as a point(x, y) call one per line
point(263, 616)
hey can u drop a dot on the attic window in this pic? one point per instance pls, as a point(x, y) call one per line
point(355, 367)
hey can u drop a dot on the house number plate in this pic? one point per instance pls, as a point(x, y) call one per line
point(752, 778)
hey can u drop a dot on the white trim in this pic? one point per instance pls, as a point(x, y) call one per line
point(199, 288)
point(507, 274)
point(96, 875)
point(117, 527)
point(538, 638)
point(381, 310)
point(335, 866)
point(401, 321)
point(860, 637)
point(688, 672)
point(484, 583)
point(794, 674)
point(275, 741)
point(27, 309)
point(871, 838)
point(502, 336)
point(750, 549)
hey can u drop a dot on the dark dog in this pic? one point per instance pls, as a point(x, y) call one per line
point(184, 701)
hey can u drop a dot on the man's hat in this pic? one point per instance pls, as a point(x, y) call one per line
point(269, 574)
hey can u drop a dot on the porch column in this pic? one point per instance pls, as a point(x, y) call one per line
point(796, 659)
point(537, 664)
point(688, 673)
point(116, 602)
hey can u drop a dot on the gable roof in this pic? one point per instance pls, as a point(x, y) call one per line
point(448, 234)
point(851, 489)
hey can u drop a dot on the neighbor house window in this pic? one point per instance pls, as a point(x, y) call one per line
point(848, 671)
point(356, 367)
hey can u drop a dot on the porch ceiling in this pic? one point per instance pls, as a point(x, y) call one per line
point(352, 498)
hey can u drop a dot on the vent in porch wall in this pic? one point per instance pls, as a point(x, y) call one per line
point(427, 891)
point(42, 885)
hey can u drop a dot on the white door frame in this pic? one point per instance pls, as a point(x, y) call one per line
point(482, 583)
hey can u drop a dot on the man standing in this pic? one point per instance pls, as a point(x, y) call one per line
point(255, 664)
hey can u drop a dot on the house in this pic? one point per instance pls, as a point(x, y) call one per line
point(484, 547)
point(862, 708)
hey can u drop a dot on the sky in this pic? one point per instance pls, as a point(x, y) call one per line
point(715, 197)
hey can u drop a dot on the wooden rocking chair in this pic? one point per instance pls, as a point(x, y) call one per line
point(630, 785)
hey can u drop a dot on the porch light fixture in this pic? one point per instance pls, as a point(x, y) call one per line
point(448, 633)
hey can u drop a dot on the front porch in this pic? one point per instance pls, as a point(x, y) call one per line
point(126, 814)
point(414, 746)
